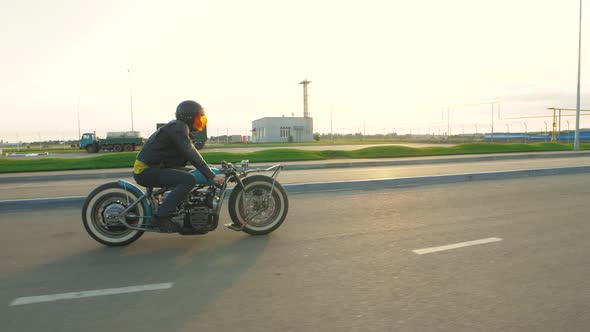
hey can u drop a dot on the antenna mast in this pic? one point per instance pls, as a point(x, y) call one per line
point(305, 107)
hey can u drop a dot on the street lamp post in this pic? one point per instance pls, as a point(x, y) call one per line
point(130, 98)
point(448, 122)
point(492, 137)
point(507, 133)
point(577, 136)
point(545, 122)
point(331, 129)
point(525, 132)
point(78, 111)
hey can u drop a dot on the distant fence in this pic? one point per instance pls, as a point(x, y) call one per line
point(584, 136)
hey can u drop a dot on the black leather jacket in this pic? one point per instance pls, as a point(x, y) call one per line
point(171, 147)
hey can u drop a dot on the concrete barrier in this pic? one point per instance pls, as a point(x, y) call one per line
point(317, 187)
point(57, 176)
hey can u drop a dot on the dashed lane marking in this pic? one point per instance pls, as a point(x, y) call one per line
point(90, 293)
point(456, 245)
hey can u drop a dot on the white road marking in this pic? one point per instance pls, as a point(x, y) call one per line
point(91, 293)
point(27, 200)
point(456, 245)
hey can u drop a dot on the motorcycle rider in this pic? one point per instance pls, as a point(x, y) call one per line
point(161, 161)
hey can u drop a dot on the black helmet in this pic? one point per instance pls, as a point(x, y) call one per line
point(187, 111)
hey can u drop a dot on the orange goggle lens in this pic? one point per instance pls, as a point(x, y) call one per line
point(200, 123)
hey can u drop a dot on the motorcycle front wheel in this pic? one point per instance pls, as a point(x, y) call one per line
point(259, 204)
point(100, 211)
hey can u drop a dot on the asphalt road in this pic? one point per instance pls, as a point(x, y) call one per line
point(44, 189)
point(341, 262)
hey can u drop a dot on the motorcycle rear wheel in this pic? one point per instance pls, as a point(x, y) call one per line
point(105, 201)
point(265, 210)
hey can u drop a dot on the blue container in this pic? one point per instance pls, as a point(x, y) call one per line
point(201, 179)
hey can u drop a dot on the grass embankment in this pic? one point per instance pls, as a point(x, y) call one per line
point(122, 160)
point(219, 145)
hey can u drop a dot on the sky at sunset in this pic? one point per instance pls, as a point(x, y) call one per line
point(388, 65)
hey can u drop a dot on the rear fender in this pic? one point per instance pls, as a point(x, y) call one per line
point(135, 189)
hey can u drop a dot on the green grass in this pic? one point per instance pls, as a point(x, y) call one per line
point(216, 145)
point(122, 160)
point(468, 148)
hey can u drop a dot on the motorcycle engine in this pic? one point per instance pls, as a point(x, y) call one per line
point(199, 210)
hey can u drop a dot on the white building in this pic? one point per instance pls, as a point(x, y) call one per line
point(271, 130)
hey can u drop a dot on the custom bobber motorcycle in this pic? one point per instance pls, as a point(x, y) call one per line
point(118, 213)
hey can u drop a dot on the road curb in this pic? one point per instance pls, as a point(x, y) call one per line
point(286, 166)
point(77, 201)
point(432, 179)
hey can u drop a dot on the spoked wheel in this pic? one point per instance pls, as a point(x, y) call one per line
point(100, 215)
point(263, 206)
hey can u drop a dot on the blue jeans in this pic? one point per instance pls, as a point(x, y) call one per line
point(180, 179)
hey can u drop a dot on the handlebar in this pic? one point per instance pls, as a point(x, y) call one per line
point(227, 167)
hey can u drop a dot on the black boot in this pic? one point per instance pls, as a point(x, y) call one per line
point(164, 224)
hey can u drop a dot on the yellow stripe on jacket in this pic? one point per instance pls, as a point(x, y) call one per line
point(139, 167)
